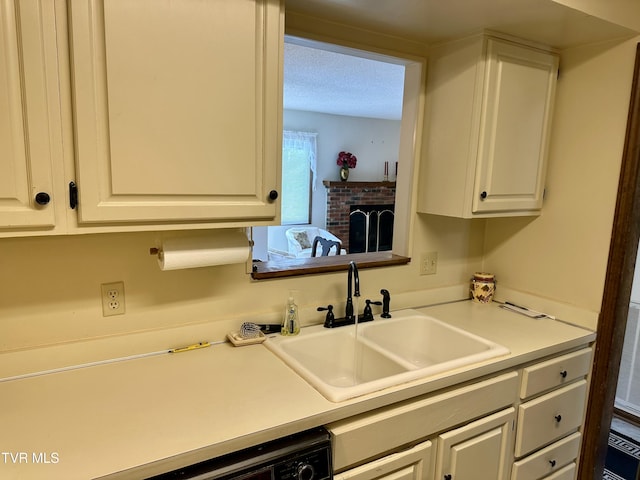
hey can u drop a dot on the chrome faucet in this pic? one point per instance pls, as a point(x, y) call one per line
point(353, 280)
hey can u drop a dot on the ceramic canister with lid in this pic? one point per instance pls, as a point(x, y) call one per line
point(483, 286)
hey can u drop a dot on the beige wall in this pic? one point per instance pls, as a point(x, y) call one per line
point(50, 286)
point(562, 255)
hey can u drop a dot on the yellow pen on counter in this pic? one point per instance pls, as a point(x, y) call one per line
point(195, 346)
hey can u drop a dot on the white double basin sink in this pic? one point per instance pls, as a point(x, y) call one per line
point(341, 364)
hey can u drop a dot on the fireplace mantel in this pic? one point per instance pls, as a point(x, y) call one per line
point(331, 183)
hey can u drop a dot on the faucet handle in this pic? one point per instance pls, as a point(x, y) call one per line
point(386, 300)
point(330, 317)
point(367, 313)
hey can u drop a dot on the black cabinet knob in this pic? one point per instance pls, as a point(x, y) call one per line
point(447, 477)
point(552, 463)
point(558, 418)
point(42, 198)
point(273, 194)
point(563, 374)
point(483, 195)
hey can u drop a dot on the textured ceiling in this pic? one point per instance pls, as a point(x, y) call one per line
point(341, 84)
point(345, 85)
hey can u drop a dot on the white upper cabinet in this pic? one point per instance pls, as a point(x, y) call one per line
point(177, 110)
point(488, 114)
point(28, 95)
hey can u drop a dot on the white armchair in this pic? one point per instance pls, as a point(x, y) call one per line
point(300, 241)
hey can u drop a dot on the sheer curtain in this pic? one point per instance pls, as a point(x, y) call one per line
point(294, 143)
point(298, 176)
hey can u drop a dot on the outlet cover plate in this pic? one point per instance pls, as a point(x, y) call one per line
point(112, 299)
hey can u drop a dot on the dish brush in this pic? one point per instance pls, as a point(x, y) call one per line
point(248, 334)
point(249, 330)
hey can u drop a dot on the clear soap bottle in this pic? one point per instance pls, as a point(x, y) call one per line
point(291, 321)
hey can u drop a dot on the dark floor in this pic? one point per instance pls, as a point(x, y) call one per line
point(625, 428)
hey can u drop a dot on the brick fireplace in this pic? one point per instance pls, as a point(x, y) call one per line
point(341, 196)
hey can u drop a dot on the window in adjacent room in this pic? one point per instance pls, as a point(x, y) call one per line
point(298, 176)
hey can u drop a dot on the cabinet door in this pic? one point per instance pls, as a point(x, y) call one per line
point(480, 449)
point(27, 43)
point(518, 95)
point(413, 464)
point(177, 109)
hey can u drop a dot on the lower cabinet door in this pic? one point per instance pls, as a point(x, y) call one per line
point(413, 464)
point(480, 450)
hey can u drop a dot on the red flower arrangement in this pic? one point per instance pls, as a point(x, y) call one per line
point(346, 159)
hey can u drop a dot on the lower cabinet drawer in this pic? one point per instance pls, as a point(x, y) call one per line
point(550, 460)
point(567, 473)
point(550, 417)
point(554, 373)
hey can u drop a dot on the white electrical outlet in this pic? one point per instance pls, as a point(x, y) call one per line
point(112, 298)
point(429, 263)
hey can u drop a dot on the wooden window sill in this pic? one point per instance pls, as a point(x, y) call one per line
point(308, 266)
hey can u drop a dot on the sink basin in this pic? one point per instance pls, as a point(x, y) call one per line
point(425, 342)
point(337, 359)
point(384, 353)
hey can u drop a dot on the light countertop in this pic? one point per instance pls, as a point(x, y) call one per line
point(147, 415)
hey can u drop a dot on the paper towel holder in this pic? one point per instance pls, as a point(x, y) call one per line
point(158, 251)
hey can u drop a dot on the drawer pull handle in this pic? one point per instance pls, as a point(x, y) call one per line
point(447, 476)
point(552, 463)
point(558, 418)
point(563, 374)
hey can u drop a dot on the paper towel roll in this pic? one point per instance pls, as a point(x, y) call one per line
point(222, 247)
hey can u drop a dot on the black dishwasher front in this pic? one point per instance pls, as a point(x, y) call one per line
point(301, 456)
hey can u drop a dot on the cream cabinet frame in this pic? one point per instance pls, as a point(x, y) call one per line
point(550, 416)
point(177, 110)
point(141, 115)
point(519, 89)
point(373, 434)
point(488, 118)
point(29, 111)
point(484, 426)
